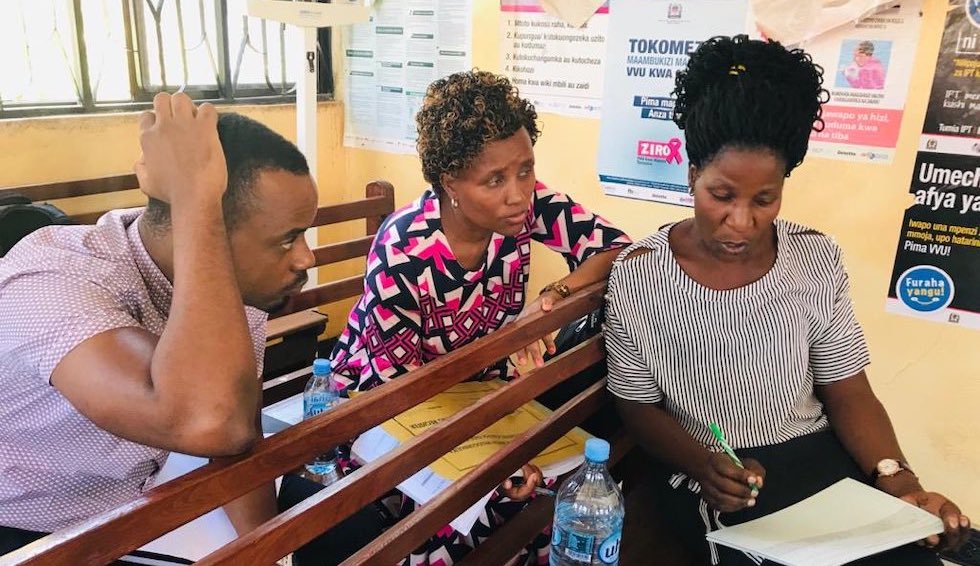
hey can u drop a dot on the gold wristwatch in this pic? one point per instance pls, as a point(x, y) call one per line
point(558, 287)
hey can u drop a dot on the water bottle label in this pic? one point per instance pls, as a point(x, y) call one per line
point(579, 546)
point(609, 549)
point(556, 536)
point(314, 404)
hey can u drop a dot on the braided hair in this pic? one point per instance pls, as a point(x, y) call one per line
point(743, 93)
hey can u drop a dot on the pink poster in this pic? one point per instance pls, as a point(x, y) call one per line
point(867, 69)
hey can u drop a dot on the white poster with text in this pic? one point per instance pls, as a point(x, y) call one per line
point(556, 66)
point(642, 153)
point(391, 60)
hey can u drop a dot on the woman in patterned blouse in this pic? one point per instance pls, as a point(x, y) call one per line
point(453, 265)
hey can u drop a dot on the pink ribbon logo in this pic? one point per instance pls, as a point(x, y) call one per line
point(669, 151)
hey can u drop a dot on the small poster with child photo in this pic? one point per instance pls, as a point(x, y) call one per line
point(863, 64)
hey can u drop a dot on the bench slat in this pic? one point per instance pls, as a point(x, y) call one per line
point(355, 210)
point(385, 190)
point(69, 189)
point(322, 294)
point(300, 524)
point(512, 536)
point(398, 541)
point(508, 539)
point(109, 535)
point(88, 217)
point(294, 322)
point(332, 253)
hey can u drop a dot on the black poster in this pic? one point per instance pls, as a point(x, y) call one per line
point(937, 264)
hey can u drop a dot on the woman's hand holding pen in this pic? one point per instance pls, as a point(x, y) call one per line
point(520, 490)
point(727, 487)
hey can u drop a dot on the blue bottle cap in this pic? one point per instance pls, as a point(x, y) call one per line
point(321, 366)
point(596, 450)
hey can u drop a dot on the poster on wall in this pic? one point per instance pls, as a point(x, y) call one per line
point(867, 70)
point(641, 150)
point(390, 60)
point(936, 275)
point(557, 66)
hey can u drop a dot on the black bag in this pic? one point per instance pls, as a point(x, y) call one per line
point(19, 217)
point(605, 421)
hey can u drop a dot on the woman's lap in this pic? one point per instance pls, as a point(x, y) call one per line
point(341, 541)
point(795, 470)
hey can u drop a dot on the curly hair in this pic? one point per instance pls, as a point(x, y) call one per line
point(461, 114)
point(738, 92)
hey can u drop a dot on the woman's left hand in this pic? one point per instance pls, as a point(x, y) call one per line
point(533, 478)
point(956, 525)
point(544, 302)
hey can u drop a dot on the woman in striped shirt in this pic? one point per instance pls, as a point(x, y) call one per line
point(736, 317)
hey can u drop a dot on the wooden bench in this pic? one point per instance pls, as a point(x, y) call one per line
point(293, 333)
point(112, 534)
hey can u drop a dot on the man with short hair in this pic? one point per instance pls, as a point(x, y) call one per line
point(145, 334)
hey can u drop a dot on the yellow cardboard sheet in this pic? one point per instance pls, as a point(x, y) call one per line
point(479, 448)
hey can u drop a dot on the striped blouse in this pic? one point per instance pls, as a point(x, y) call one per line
point(747, 358)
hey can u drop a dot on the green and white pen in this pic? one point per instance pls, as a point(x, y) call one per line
point(727, 448)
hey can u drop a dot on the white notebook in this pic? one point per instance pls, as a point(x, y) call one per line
point(847, 521)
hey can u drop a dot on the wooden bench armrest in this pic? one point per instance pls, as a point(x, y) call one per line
point(278, 381)
point(295, 322)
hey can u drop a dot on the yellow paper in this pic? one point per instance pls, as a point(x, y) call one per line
point(479, 448)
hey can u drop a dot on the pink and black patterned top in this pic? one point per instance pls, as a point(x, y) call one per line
point(420, 303)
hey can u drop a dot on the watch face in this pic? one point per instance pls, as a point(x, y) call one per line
point(888, 467)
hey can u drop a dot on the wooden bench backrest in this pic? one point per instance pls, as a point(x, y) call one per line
point(71, 189)
point(288, 363)
point(110, 535)
point(378, 203)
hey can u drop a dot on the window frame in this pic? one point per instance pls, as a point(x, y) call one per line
point(142, 94)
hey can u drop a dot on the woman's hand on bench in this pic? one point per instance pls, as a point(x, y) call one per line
point(545, 302)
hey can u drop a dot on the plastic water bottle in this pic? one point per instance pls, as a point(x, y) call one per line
point(320, 396)
point(588, 513)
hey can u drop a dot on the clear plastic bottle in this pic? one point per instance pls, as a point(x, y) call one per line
point(320, 396)
point(589, 513)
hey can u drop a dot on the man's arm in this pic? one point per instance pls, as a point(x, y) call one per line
point(195, 389)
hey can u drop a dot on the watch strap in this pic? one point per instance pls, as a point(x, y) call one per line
point(558, 287)
point(903, 466)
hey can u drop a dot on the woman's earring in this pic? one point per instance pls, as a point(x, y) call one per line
point(454, 202)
